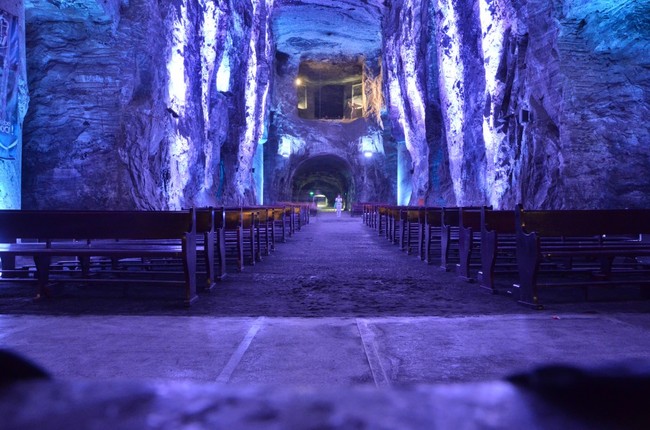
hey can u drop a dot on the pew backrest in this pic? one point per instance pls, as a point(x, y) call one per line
point(596, 222)
point(69, 224)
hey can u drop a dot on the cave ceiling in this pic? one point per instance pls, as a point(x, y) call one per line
point(324, 29)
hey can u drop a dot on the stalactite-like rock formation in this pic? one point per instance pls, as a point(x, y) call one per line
point(338, 42)
point(14, 100)
point(173, 103)
point(542, 102)
point(127, 111)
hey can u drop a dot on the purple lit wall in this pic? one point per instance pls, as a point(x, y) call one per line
point(327, 155)
point(542, 102)
point(413, 103)
point(166, 103)
point(151, 104)
point(14, 100)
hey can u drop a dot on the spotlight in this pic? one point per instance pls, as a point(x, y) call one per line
point(298, 81)
point(367, 154)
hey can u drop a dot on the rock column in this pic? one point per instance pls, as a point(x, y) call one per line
point(14, 100)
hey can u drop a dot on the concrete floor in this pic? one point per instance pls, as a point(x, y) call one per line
point(350, 352)
point(321, 351)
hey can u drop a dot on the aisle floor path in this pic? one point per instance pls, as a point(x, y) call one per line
point(334, 306)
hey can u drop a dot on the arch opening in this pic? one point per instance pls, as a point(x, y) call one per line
point(326, 175)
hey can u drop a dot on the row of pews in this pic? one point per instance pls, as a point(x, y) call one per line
point(189, 248)
point(523, 252)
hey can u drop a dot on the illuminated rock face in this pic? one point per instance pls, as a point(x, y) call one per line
point(598, 106)
point(154, 104)
point(413, 100)
point(173, 103)
point(14, 101)
point(542, 102)
point(327, 155)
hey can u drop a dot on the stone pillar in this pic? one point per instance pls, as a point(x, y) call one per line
point(404, 174)
point(14, 100)
point(258, 172)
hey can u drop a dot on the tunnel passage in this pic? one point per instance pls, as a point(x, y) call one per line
point(328, 175)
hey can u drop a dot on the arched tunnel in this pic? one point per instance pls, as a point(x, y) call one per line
point(324, 174)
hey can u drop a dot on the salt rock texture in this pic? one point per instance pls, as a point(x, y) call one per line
point(14, 104)
point(172, 103)
point(125, 111)
point(413, 92)
point(542, 102)
point(334, 32)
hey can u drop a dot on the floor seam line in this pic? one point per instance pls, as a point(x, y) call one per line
point(370, 348)
point(235, 359)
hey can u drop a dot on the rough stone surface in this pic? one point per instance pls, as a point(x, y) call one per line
point(125, 110)
point(15, 99)
point(498, 404)
point(320, 31)
point(304, 337)
point(468, 102)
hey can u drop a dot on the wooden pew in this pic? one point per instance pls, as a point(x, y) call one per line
point(448, 237)
point(206, 236)
point(250, 234)
point(469, 240)
point(394, 224)
point(410, 218)
point(211, 223)
point(382, 220)
point(432, 234)
point(498, 246)
point(579, 242)
point(451, 254)
point(279, 230)
point(45, 235)
point(234, 236)
point(265, 226)
point(369, 215)
point(289, 219)
point(357, 209)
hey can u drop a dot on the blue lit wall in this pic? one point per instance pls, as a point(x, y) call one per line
point(258, 172)
point(13, 105)
point(404, 174)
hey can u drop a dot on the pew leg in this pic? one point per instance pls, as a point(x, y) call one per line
point(240, 249)
point(465, 244)
point(208, 252)
point(267, 242)
point(445, 238)
point(221, 250)
point(273, 236)
point(421, 242)
point(189, 269)
point(84, 262)
point(528, 260)
point(42, 263)
point(252, 245)
point(488, 261)
point(427, 246)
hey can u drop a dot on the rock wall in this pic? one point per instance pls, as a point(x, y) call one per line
point(294, 141)
point(163, 103)
point(603, 50)
point(413, 102)
point(128, 111)
point(542, 102)
point(335, 32)
point(14, 100)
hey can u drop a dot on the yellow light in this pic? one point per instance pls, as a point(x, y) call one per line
point(298, 81)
